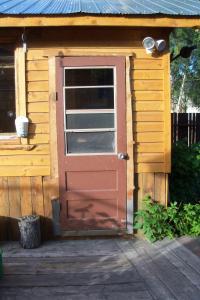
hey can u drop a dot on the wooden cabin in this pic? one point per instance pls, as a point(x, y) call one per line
point(98, 105)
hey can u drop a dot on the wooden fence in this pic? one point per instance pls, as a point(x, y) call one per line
point(186, 126)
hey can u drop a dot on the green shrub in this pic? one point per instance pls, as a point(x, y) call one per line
point(153, 221)
point(185, 176)
point(158, 221)
point(189, 220)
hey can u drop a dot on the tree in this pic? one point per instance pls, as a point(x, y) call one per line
point(185, 72)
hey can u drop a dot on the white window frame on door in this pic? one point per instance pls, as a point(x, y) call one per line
point(91, 111)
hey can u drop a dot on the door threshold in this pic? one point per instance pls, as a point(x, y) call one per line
point(89, 233)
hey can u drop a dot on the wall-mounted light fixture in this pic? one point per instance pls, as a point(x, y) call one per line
point(152, 45)
point(149, 44)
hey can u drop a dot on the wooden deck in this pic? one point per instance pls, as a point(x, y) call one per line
point(103, 269)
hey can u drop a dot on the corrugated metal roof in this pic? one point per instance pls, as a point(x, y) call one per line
point(106, 7)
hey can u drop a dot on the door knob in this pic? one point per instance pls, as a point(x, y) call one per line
point(122, 155)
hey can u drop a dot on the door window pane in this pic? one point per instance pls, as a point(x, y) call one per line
point(89, 98)
point(86, 89)
point(85, 121)
point(91, 142)
point(88, 77)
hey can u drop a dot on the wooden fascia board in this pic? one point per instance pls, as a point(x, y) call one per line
point(86, 20)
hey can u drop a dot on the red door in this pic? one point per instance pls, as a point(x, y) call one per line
point(91, 130)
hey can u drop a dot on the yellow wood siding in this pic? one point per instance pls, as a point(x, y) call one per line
point(148, 119)
point(148, 84)
point(153, 184)
point(38, 110)
point(31, 156)
point(149, 81)
point(151, 113)
point(21, 196)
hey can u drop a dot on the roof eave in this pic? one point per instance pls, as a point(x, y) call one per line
point(99, 20)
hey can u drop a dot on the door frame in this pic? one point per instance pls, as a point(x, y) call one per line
point(129, 136)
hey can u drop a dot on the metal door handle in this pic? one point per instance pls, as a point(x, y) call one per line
point(122, 155)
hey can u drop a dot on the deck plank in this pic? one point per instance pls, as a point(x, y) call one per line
point(78, 279)
point(93, 293)
point(146, 270)
point(63, 265)
point(182, 252)
point(178, 284)
point(186, 269)
point(100, 269)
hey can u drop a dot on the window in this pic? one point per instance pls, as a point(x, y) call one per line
point(7, 90)
point(89, 100)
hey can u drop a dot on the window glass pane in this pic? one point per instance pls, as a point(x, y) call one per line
point(88, 77)
point(94, 98)
point(7, 91)
point(84, 121)
point(91, 142)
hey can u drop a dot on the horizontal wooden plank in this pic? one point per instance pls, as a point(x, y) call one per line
point(79, 50)
point(149, 137)
point(147, 64)
point(140, 52)
point(149, 157)
point(148, 126)
point(14, 141)
point(38, 117)
point(38, 139)
point(37, 96)
point(89, 20)
point(37, 75)
point(35, 65)
point(39, 107)
point(38, 128)
point(25, 160)
point(42, 265)
point(148, 95)
point(86, 47)
point(150, 168)
point(63, 284)
point(22, 146)
point(147, 85)
point(148, 116)
point(147, 74)
point(24, 170)
point(36, 55)
point(110, 48)
point(150, 147)
point(38, 86)
point(148, 105)
point(39, 149)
